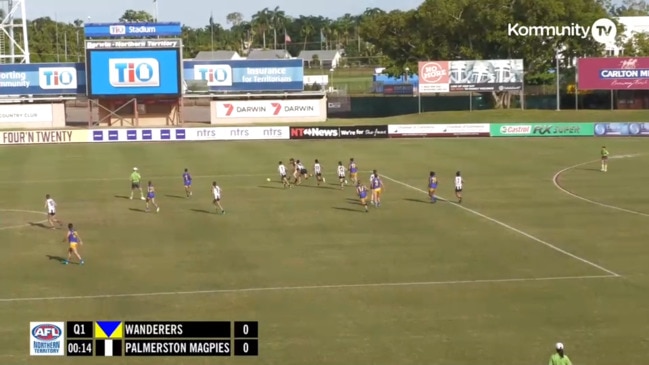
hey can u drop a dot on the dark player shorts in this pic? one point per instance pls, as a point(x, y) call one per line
point(135, 185)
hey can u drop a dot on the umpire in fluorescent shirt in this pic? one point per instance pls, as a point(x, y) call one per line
point(559, 358)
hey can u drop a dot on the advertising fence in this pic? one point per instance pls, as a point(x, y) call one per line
point(259, 133)
point(351, 132)
point(622, 129)
point(150, 69)
point(543, 130)
point(438, 130)
point(475, 75)
point(42, 79)
point(244, 75)
point(614, 73)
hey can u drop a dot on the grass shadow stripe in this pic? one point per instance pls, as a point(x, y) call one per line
point(511, 228)
point(310, 287)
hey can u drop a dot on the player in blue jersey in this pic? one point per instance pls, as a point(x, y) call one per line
point(353, 171)
point(432, 187)
point(150, 197)
point(376, 186)
point(74, 241)
point(187, 181)
point(361, 190)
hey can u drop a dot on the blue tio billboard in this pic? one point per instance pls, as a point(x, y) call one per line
point(134, 72)
point(132, 30)
point(246, 75)
point(42, 79)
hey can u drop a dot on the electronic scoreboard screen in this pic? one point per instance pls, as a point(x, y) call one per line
point(124, 338)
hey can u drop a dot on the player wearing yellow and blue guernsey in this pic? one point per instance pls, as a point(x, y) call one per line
point(150, 197)
point(432, 186)
point(187, 182)
point(74, 241)
point(353, 171)
point(376, 185)
point(361, 190)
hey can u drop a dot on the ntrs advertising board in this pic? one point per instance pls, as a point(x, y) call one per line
point(244, 75)
point(134, 72)
point(43, 79)
point(614, 73)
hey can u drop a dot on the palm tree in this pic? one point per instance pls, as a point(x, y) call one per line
point(307, 31)
point(278, 21)
point(262, 22)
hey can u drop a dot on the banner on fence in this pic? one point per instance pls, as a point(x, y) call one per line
point(339, 104)
point(26, 113)
point(613, 73)
point(42, 79)
point(132, 30)
point(470, 75)
point(244, 75)
point(438, 130)
point(190, 134)
point(44, 137)
point(543, 130)
point(622, 129)
point(351, 132)
point(134, 72)
point(301, 108)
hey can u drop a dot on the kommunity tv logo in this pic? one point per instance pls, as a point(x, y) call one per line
point(603, 30)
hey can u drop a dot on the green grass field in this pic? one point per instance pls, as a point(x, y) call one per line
point(520, 265)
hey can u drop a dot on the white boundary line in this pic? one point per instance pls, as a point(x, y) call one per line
point(3, 228)
point(308, 287)
point(168, 177)
point(555, 181)
point(513, 229)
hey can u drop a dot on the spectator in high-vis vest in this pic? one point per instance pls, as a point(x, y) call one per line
point(559, 358)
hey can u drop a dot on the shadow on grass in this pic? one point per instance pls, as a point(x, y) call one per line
point(350, 209)
point(59, 259)
point(318, 186)
point(137, 210)
point(271, 187)
point(417, 200)
point(588, 169)
point(205, 211)
point(121, 196)
point(39, 225)
point(176, 196)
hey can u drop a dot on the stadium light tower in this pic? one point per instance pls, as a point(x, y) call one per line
point(14, 42)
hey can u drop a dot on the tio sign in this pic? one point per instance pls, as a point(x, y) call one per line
point(215, 75)
point(57, 78)
point(117, 30)
point(134, 72)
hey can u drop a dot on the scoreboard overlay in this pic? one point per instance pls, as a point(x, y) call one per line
point(124, 338)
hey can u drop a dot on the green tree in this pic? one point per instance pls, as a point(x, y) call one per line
point(136, 16)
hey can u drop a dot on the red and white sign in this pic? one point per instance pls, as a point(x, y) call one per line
point(438, 130)
point(308, 108)
point(236, 133)
point(434, 77)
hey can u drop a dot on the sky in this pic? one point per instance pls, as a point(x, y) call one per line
point(196, 13)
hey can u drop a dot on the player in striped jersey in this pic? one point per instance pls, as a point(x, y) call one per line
point(374, 174)
point(317, 170)
point(282, 175)
point(459, 183)
point(341, 174)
